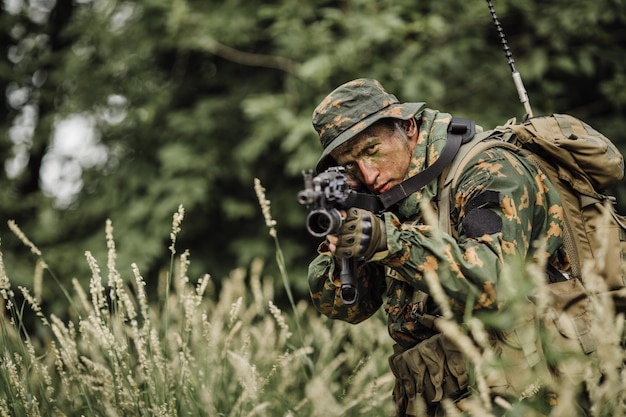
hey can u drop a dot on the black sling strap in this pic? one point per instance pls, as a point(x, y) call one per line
point(460, 131)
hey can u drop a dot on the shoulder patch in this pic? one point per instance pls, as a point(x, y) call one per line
point(479, 219)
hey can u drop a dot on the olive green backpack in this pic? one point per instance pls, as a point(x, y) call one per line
point(580, 162)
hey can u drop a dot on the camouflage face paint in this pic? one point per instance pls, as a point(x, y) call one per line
point(378, 158)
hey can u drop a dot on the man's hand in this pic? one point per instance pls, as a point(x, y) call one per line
point(361, 235)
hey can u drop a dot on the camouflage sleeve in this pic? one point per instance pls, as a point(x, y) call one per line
point(503, 208)
point(324, 287)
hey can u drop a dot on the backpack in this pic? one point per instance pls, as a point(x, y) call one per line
point(580, 162)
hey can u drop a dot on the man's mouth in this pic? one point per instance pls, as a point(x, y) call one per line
point(382, 188)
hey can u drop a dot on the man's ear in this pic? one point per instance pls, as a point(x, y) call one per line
point(411, 128)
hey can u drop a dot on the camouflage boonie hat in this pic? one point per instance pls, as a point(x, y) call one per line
point(350, 109)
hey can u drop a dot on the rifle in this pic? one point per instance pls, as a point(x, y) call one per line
point(324, 195)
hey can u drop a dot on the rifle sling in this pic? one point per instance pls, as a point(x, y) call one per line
point(459, 131)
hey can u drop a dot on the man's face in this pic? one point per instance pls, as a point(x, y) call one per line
point(377, 158)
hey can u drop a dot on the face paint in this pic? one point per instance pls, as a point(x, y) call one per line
point(378, 158)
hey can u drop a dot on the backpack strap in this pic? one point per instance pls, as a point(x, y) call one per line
point(448, 180)
point(460, 131)
point(564, 125)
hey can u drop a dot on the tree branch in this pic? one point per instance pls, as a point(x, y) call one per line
point(246, 58)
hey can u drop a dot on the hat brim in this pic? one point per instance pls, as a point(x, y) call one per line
point(402, 111)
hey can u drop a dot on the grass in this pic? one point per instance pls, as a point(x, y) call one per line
point(199, 351)
point(194, 352)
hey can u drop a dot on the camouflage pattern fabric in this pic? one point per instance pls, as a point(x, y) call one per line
point(433, 134)
point(517, 208)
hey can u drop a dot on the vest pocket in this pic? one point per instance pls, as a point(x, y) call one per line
point(519, 367)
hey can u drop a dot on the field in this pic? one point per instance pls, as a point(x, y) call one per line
point(200, 351)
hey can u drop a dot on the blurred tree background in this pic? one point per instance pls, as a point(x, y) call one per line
point(126, 109)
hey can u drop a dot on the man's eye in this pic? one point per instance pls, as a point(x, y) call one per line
point(371, 150)
point(350, 167)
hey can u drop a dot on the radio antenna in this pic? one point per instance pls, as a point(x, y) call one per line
point(517, 78)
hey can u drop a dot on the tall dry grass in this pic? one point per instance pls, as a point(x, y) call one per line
point(195, 350)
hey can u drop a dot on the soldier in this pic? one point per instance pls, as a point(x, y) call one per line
point(506, 214)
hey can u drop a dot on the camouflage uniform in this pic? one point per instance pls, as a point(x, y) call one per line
point(504, 210)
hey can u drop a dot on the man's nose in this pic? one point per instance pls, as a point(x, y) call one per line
point(369, 172)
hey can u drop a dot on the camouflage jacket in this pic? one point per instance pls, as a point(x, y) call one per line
point(504, 210)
